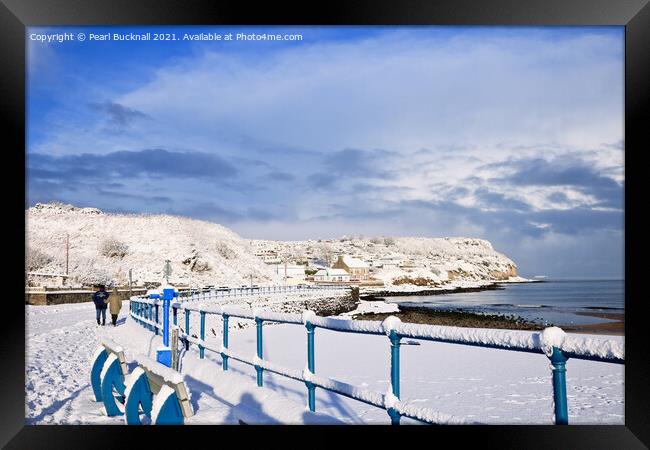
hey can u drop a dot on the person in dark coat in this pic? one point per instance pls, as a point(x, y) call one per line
point(100, 298)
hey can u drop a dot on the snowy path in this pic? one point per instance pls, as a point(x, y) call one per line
point(485, 385)
point(60, 341)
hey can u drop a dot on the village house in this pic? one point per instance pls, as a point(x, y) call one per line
point(408, 264)
point(296, 271)
point(268, 256)
point(331, 275)
point(358, 269)
point(390, 262)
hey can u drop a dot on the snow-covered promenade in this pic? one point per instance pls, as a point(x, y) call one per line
point(477, 384)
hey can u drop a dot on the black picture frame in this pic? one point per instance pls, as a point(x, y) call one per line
point(15, 15)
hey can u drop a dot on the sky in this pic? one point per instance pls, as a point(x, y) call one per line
point(510, 134)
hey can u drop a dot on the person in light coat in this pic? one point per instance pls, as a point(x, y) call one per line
point(114, 304)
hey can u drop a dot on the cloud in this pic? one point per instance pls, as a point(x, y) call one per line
point(280, 176)
point(118, 115)
point(129, 164)
point(224, 213)
point(560, 172)
point(353, 163)
point(566, 171)
point(491, 199)
point(513, 135)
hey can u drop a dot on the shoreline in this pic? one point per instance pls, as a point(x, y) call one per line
point(378, 295)
point(455, 318)
point(617, 327)
point(489, 286)
point(461, 318)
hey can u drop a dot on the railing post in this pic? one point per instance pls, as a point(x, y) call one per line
point(311, 389)
point(187, 329)
point(164, 354)
point(202, 334)
point(558, 361)
point(224, 357)
point(394, 373)
point(155, 328)
point(258, 323)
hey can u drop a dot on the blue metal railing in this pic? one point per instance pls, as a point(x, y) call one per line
point(213, 293)
point(523, 341)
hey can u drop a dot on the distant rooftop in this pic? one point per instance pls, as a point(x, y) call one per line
point(332, 272)
point(354, 262)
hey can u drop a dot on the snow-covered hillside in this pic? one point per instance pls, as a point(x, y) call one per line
point(103, 247)
point(410, 261)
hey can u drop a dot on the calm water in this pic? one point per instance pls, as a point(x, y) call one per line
point(551, 301)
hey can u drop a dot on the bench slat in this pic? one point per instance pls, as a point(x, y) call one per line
point(156, 382)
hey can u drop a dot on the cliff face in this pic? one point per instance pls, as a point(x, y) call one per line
point(441, 260)
point(103, 247)
point(511, 272)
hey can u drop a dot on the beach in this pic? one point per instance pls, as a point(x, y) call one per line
point(474, 320)
point(579, 306)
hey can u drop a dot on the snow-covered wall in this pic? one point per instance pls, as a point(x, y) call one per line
point(103, 247)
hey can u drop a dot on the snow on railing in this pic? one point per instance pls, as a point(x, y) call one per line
point(552, 342)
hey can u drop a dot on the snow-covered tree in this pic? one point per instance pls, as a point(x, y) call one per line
point(224, 250)
point(36, 259)
point(113, 248)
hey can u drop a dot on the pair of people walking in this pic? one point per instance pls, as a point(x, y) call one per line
point(103, 300)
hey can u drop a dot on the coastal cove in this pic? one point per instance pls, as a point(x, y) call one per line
point(594, 306)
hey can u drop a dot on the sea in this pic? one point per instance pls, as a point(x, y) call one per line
point(551, 301)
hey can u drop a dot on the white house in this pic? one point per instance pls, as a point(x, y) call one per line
point(268, 256)
point(290, 270)
point(331, 275)
point(408, 264)
point(390, 261)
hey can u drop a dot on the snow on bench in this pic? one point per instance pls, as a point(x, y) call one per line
point(117, 350)
point(160, 376)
